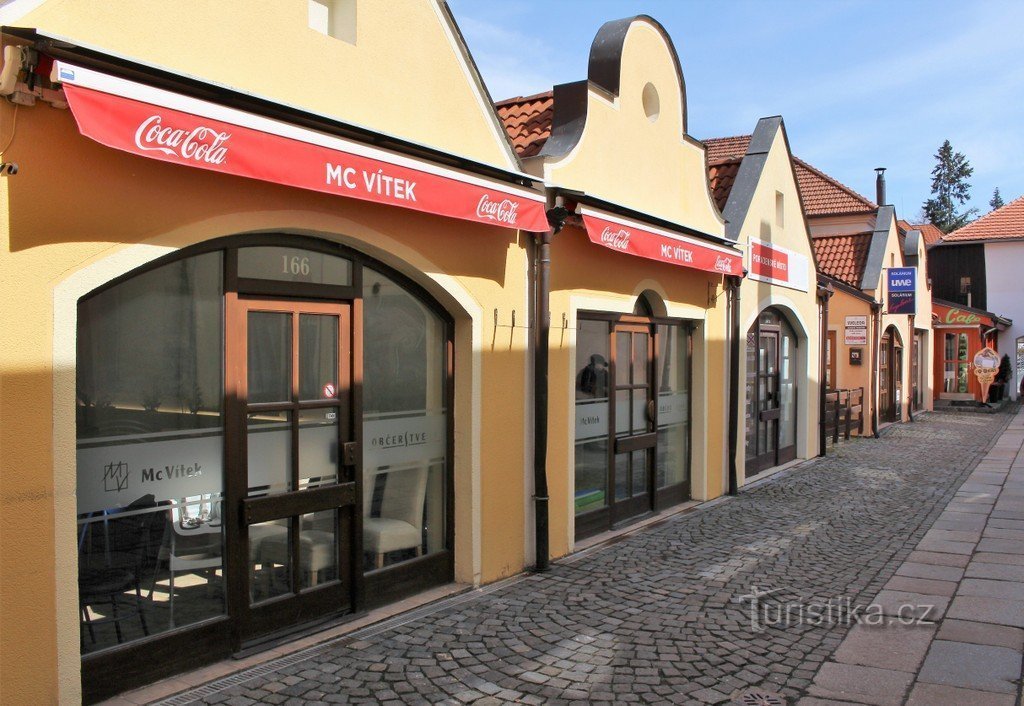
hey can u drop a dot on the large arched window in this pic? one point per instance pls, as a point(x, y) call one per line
point(263, 437)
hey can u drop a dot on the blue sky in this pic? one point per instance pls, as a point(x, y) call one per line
point(860, 84)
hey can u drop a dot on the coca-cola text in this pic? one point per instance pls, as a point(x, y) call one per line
point(199, 144)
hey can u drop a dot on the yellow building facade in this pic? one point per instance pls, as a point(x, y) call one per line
point(243, 400)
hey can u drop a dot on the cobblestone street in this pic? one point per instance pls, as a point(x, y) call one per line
point(658, 615)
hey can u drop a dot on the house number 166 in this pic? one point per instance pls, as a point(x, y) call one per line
point(295, 265)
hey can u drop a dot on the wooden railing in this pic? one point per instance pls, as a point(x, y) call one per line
point(844, 413)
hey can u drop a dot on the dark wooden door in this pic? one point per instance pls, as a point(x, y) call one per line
point(292, 469)
point(634, 421)
point(767, 405)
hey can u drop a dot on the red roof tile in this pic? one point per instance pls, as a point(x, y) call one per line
point(822, 195)
point(1003, 223)
point(843, 256)
point(722, 176)
point(930, 233)
point(527, 121)
point(721, 149)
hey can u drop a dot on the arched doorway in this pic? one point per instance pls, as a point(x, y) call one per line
point(263, 442)
point(890, 375)
point(771, 387)
point(632, 426)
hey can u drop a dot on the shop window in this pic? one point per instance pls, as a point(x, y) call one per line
point(405, 411)
point(955, 363)
point(673, 406)
point(150, 433)
point(335, 18)
point(592, 384)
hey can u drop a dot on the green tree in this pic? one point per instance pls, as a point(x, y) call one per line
point(950, 190)
point(997, 200)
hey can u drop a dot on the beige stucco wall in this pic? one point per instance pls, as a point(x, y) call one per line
point(651, 166)
point(841, 305)
point(79, 214)
point(799, 307)
point(901, 322)
point(625, 157)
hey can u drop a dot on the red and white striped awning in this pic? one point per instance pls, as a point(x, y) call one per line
point(644, 240)
point(170, 127)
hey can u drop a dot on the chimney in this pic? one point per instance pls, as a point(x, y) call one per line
point(880, 186)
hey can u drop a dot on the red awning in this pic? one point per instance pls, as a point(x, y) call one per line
point(642, 240)
point(151, 122)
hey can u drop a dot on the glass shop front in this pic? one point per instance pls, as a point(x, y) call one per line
point(263, 443)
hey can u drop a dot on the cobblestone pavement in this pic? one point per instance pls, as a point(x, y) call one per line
point(657, 616)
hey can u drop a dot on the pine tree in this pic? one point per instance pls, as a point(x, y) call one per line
point(997, 200)
point(950, 189)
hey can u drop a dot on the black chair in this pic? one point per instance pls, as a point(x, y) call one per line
point(112, 564)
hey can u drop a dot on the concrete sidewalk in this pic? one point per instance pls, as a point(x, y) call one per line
point(967, 576)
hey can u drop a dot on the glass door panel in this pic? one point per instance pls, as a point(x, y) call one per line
point(635, 437)
point(298, 466)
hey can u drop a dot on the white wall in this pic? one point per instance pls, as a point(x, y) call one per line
point(1004, 267)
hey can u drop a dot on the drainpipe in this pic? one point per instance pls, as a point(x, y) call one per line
point(542, 287)
point(910, 364)
point(824, 295)
point(876, 322)
point(732, 287)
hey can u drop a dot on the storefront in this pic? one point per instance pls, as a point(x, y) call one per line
point(961, 333)
point(755, 185)
point(638, 278)
point(254, 341)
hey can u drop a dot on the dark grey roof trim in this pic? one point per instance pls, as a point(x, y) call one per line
point(604, 71)
point(749, 175)
point(876, 252)
point(568, 120)
point(910, 245)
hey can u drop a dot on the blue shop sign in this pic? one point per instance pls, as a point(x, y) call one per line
point(902, 287)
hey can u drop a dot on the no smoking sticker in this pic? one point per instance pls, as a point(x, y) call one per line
point(329, 390)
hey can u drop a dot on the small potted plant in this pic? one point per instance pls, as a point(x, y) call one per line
point(998, 389)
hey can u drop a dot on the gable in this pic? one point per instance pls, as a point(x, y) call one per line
point(629, 118)
point(407, 72)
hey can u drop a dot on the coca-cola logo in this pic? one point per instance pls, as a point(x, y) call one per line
point(723, 264)
point(504, 211)
point(199, 144)
point(618, 239)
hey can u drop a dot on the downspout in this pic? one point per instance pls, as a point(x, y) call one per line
point(914, 354)
point(876, 316)
point(542, 287)
point(824, 295)
point(732, 285)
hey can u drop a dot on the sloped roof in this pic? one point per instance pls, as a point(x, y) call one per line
point(1001, 224)
point(722, 176)
point(930, 233)
point(527, 121)
point(843, 257)
point(822, 195)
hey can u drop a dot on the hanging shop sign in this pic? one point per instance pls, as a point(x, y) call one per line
point(855, 331)
point(954, 316)
point(901, 287)
point(778, 265)
point(170, 127)
point(642, 240)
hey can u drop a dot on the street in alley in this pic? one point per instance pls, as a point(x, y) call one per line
point(748, 600)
